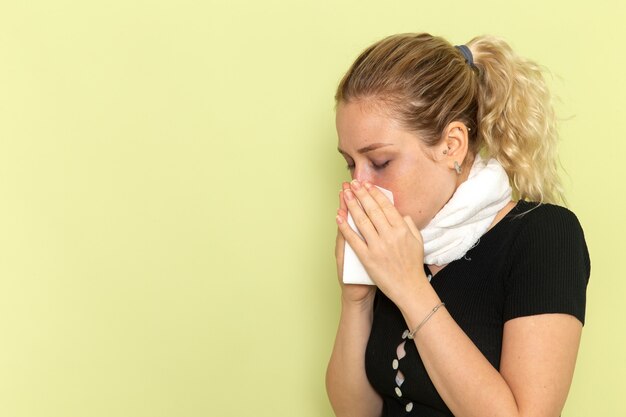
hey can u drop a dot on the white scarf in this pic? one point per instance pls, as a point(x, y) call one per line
point(468, 214)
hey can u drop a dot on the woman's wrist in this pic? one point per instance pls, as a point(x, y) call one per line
point(412, 291)
point(417, 302)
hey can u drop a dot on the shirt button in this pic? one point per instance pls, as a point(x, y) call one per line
point(394, 364)
point(409, 407)
point(398, 392)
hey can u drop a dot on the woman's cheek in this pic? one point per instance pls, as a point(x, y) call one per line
point(385, 179)
point(408, 203)
point(399, 202)
point(401, 195)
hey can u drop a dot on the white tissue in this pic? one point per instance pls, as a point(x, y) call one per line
point(353, 270)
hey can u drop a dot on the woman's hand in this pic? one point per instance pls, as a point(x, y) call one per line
point(353, 293)
point(393, 250)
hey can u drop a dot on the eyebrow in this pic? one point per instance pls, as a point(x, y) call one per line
point(368, 148)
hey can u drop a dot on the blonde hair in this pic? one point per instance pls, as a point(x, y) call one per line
point(425, 83)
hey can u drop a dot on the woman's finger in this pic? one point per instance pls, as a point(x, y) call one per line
point(412, 227)
point(340, 243)
point(391, 213)
point(361, 219)
point(370, 206)
point(343, 207)
point(351, 237)
point(342, 202)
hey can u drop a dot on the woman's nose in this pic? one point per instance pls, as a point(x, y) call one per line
point(361, 173)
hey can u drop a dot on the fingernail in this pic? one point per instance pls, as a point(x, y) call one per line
point(339, 219)
point(356, 184)
point(367, 185)
point(349, 195)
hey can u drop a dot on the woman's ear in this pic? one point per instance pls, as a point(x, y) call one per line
point(455, 144)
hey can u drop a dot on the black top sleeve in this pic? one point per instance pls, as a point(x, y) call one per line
point(550, 266)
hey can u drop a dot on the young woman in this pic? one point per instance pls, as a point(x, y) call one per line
point(480, 277)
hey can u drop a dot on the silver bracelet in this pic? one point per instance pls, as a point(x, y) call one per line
point(419, 326)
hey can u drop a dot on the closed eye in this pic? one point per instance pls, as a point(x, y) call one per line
point(381, 166)
point(377, 167)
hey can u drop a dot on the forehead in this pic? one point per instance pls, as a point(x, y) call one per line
point(363, 120)
point(361, 124)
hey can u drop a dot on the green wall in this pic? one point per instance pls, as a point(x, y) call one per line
point(168, 181)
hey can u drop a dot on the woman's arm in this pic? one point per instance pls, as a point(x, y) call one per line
point(536, 368)
point(538, 354)
point(348, 388)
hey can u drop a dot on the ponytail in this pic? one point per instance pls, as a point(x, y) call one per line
point(516, 120)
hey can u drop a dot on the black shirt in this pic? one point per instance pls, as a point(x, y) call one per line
point(533, 261)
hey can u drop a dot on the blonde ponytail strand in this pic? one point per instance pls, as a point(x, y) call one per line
point(516, 120)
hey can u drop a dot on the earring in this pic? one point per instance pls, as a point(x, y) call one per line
point(457, 167)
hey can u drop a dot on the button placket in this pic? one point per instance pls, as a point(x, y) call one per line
point(395, 365)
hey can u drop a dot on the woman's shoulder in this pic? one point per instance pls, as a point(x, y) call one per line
point(536, 224)
point(532, 227)
point(543, 215)
point(549, 261)
point(548, 229)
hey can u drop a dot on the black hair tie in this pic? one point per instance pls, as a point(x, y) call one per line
point(467, 54)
